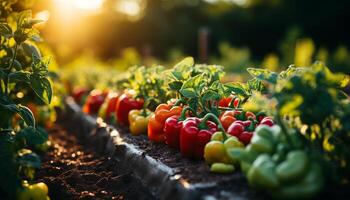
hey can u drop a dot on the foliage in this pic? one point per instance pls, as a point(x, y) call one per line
point(23, 75)
point(310, 100)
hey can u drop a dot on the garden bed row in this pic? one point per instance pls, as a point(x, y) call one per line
point(161, 169)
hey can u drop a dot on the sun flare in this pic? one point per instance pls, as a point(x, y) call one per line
point(87, 5)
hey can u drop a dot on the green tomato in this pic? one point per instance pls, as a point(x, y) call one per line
point(217, 136)
point(233, 142)
point(222, 168)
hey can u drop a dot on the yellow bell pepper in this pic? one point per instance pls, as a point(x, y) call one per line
point(215, 151)
point(138, 120)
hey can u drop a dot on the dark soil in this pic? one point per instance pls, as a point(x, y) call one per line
point(194, 171)
point(72, 171)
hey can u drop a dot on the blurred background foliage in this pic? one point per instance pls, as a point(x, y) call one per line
point(240, 33)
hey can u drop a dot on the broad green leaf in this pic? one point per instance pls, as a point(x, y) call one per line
point(211, 95)
point(263, 75)
point(186, 62)
point(175, 85)
point(188, 92)
point(23, 111)
point(27, 115)
point(193, 82)
point(236, 87)
point(41, 87)
point(19, 76)
point(33, 136)
point(17, 65)
point(177, 75)
point(5, 30)
point(30, 23)
point(31, 49)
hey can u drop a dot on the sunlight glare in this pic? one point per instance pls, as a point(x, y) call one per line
point(129, 7)
point(43, 15)
point(87, 5)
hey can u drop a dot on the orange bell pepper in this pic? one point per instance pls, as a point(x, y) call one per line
point(227, 118)
point(157, 120)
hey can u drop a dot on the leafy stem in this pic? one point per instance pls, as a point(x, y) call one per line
point(9, 69)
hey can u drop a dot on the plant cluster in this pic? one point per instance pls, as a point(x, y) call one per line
point(24, 83)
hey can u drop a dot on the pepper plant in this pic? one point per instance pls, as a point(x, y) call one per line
point(310, 100)
point(23, 75)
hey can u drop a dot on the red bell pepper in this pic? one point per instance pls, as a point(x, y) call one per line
point(109, 106)
point(94, 101)
point(125, 104)
point(229, 102)
point(157, 120)
point(172, 128)
point(267, 121)
point(78, 94)
point(195, 134)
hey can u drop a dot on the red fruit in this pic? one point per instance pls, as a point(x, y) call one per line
point(94, 102)
point(239, 122)
point(235, 129)
point(245, 137)
point(267, 121)
point(237, 112)
point(247, 123)
point(249, 114)
point(125, 104)
point(78, 93)
point(224, 102)
point(236, 102)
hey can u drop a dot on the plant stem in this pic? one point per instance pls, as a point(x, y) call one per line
point(9, 70)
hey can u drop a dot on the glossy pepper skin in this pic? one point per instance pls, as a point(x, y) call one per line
point(193, 138)
point(172, 128)
point(94, 101)
point(215, 151)
point(230, 101)
point(138, 120)
point(157, 120)
point(109, 106)
point(78, 94)
point(227, 118)
point(125, 104)
point(38, 191)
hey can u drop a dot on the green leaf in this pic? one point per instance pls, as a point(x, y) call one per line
point(41, 87)
point(31, 49)
point(19, 76)
point(211, 95)
point(5, 30)
point(236, 87)
point(193, 82)
point(33, 136)
point(27, 115)
point(186, 62)
point(188, 92)
point(17, 65)
point(177, 75)
point(263, 75)
point(23, 111)
point(28, 159)
point(31, 23)
point(175, 85)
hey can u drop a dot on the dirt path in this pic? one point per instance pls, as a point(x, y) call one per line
point(73, 172)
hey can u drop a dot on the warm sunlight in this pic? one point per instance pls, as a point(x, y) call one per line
point(129, 7)
point(88, 5)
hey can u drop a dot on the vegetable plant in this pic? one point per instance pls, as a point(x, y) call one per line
point(23, 80)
